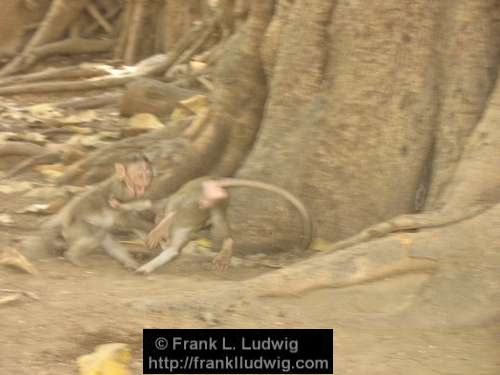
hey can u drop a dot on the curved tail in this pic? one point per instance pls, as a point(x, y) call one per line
point(306, 218)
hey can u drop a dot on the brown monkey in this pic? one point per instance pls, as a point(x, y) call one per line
point(85, 222)
point(201, 201)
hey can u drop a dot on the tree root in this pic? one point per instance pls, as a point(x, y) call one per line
point(47, 158)
point(21, 148)
point(90, 102)
point(60, 15)
point(85, 70)
point(69, 46)
point(410, 222)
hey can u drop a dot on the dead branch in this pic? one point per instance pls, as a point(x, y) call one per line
point(101, 20)
point(110, 13)
point(142, 69)
point(84, 70)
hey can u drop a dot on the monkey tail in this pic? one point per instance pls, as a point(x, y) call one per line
point(47, 243)
point(306, 218)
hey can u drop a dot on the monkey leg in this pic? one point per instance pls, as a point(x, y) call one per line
point(223, 259)
point(118, 252)
point(80, 248)
point(180, 238)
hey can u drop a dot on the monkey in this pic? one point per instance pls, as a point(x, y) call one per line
point(86, 221)
point(199, 202)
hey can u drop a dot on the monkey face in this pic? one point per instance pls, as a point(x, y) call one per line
point(138, 177)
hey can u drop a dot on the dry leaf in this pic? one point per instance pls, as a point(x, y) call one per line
point(145, 121)
point(51, 171)
point(37, 208)
point(107, 359)
point(15, 187)
point(6, 219)
point(44, 111)
point(197, 66)
point(78, 118)
point(10, 298)
point(195, 104)
point(320, 244)
point(204, 243)
point(13, 258)
point(405, 240)
point(32, 137)
point(180, 113)
point(80, 130)
point(5, 136)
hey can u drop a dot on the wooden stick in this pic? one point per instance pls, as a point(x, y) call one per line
point(101, 20)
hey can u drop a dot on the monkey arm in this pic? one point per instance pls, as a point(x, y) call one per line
point(160, 231)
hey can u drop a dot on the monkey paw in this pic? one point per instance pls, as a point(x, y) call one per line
point(154, 238)
point(144, 269)
point(114, 203)
point(132, 265)
point(221, 262)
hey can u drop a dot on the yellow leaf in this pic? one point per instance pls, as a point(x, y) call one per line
point(195, 104)
point(107, 359)
point(405, 240)
point(204, 243)
point(15, 187)
point(85, 116)
point(320, 244)
point(44, 111)
point(145, 121)
point(50, 170)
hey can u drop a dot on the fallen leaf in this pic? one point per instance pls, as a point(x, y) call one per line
point(52, 171)
point(6, 136)
point(204, 242)
point(197, 66)
point(10, 298)
point(107, 359)
point(195, 104)
point(44, 111)
point(15, 187)
point(80, 130)
point(405, 240)
point(13, 258)
point(6, 219)
point(145, 121)
point(320, 244)
point(31, 137)
point(78, 118)
point(36, 208)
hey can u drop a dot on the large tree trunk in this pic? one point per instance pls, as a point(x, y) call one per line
point(367, 110)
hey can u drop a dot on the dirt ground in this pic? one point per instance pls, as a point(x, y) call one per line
point(80, 308)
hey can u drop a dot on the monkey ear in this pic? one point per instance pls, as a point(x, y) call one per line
point(120, 170)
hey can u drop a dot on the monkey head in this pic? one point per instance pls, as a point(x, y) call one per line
point(212, 194)
point(136, 172)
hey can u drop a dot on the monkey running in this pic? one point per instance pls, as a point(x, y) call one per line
point(202, 201)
